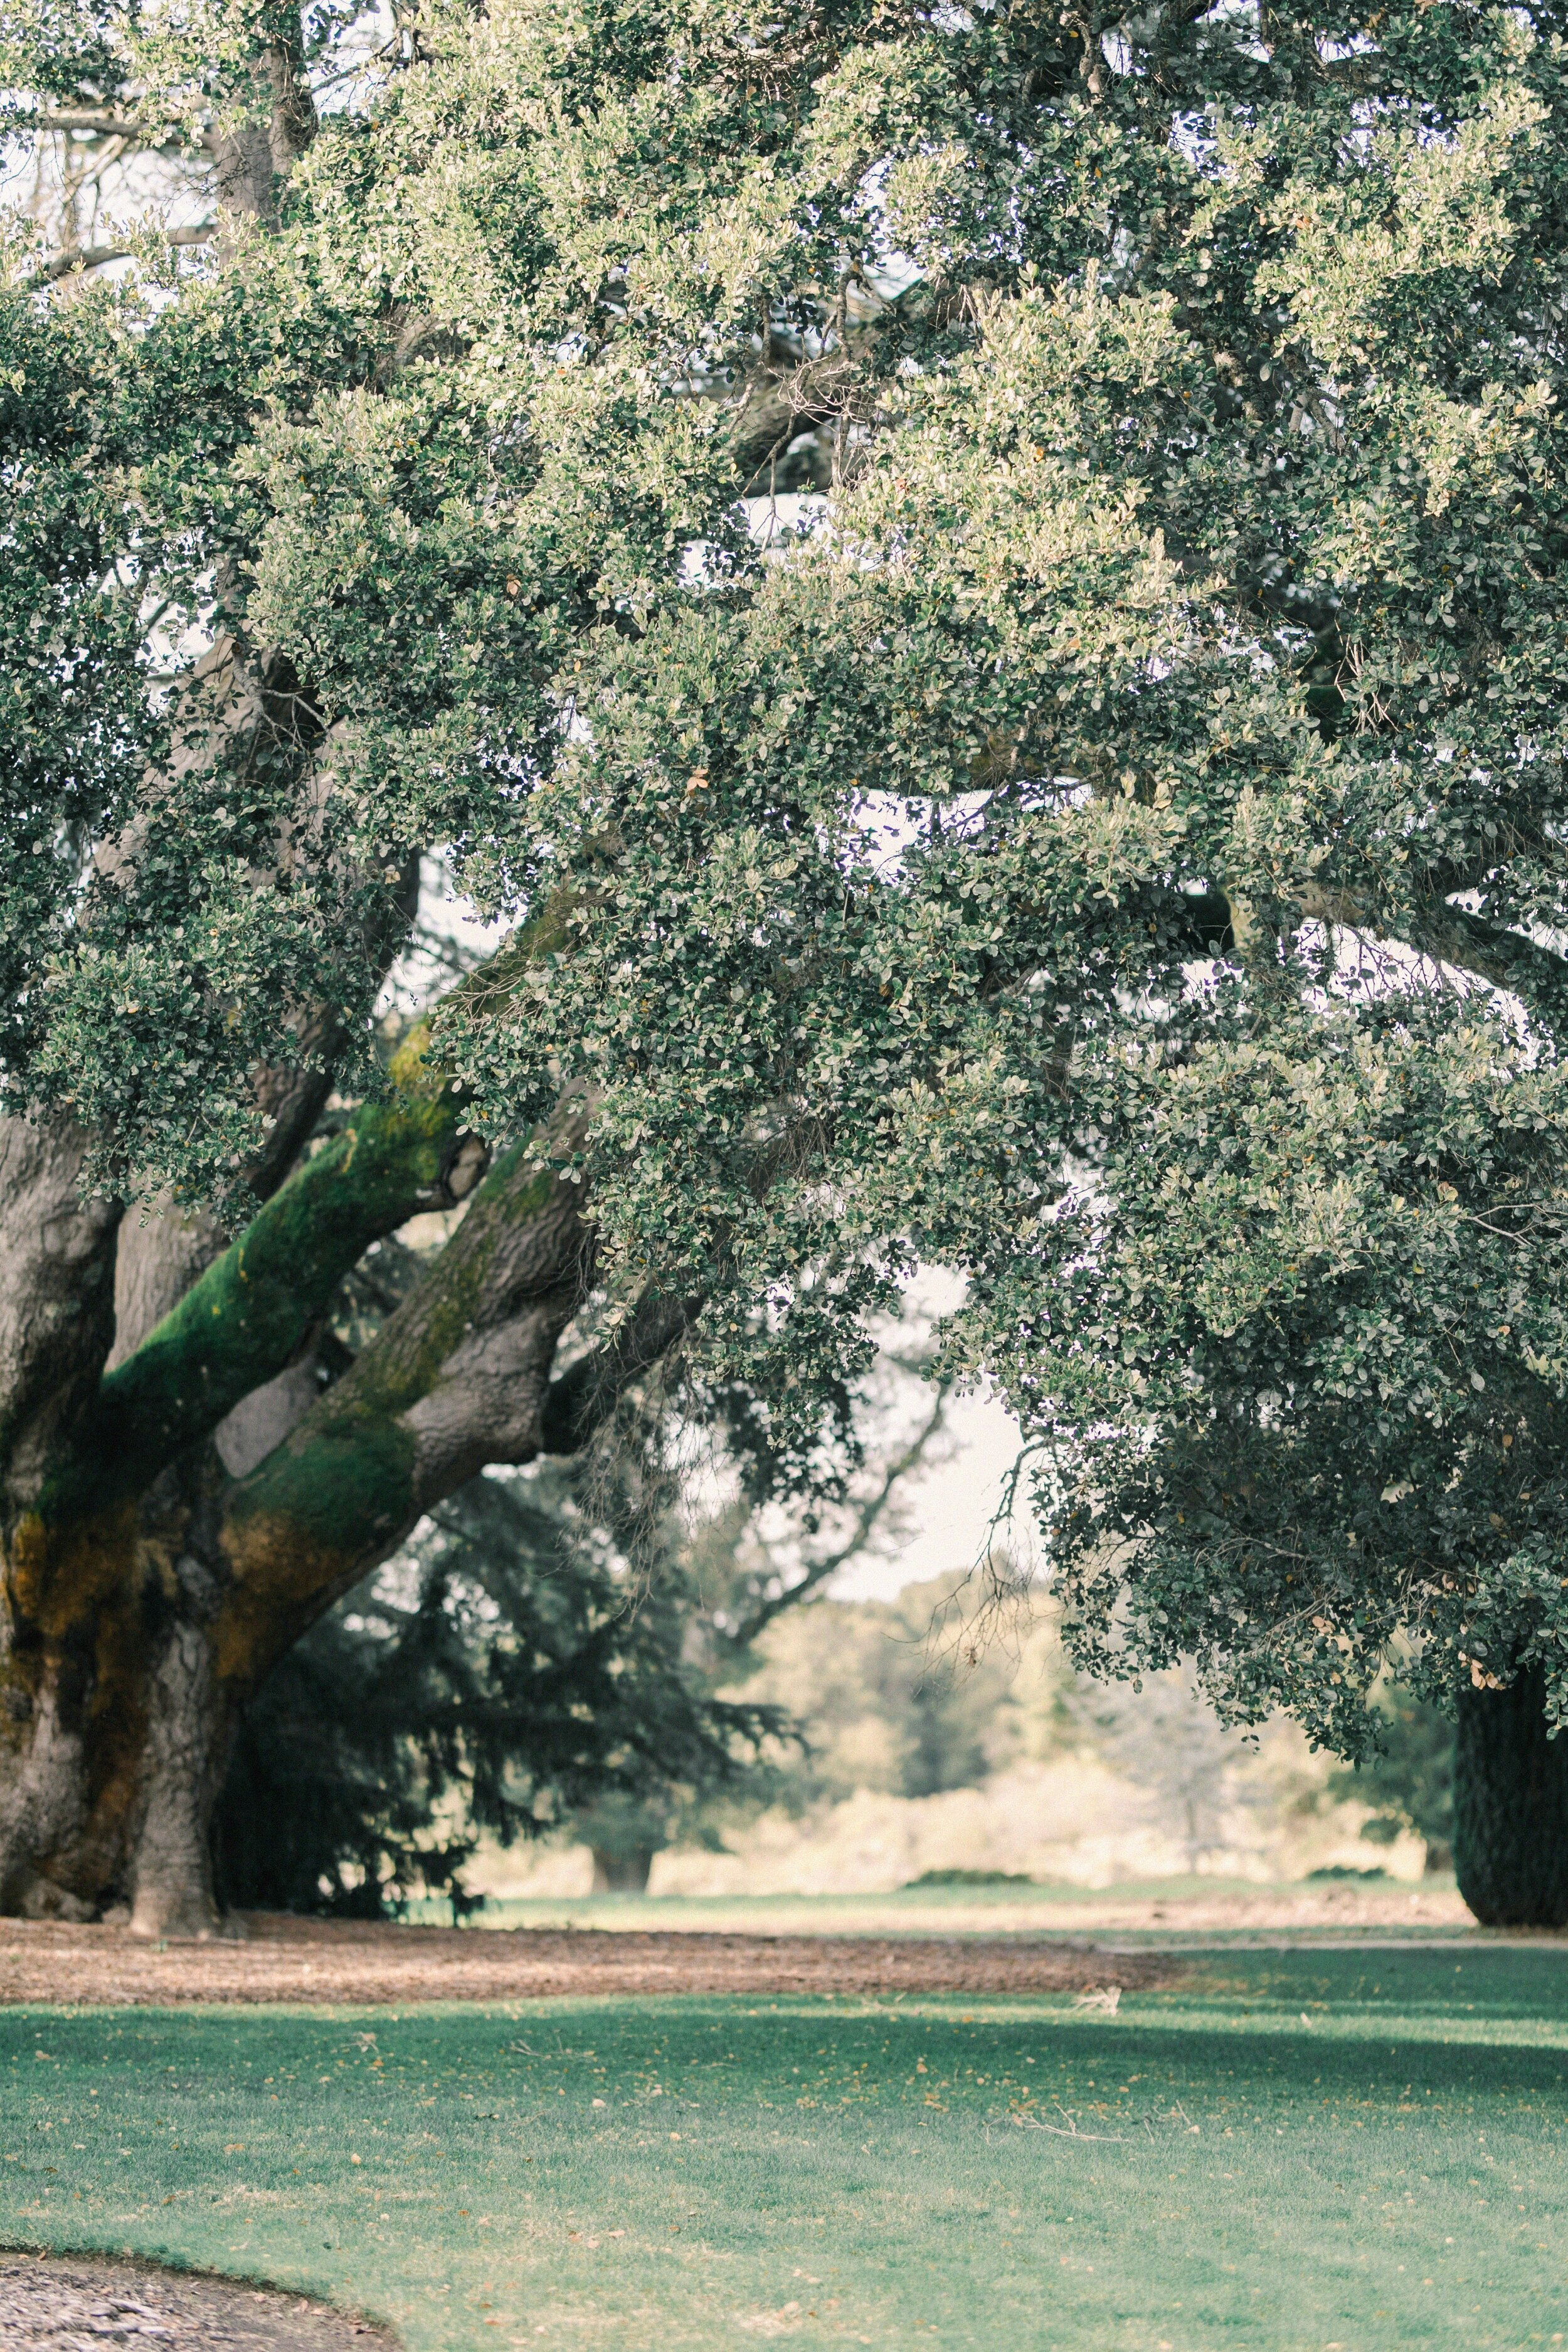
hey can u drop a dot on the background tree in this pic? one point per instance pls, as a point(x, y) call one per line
point(1185, 391)
point(548, 1650)
point(508, 1670)
point(1408, 1778)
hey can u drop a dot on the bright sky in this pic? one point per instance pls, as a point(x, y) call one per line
point(949, 1510)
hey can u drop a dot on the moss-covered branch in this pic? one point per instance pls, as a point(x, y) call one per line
point(248, 1312)
point(457, 1378)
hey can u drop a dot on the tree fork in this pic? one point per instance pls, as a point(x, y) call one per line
point(243, 1319)
point(458, 1377)
point(139, 1631)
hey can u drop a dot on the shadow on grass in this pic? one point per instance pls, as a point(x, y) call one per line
point(1201, 2170)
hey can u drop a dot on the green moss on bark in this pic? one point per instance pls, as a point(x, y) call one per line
point(302, 1527)
point(337, 1493)
point(249, 1312)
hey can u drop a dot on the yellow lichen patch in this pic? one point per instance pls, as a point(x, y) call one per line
point(58, 1577)
point(282, 1581)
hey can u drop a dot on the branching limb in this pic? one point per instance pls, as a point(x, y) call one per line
point(865, 1523)
point(1447, 934)
point(101, 123)
point(78, 258)
point(456, 1379)
point(245, 1316)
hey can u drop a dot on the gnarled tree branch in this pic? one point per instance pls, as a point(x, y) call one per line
point(246, 1315)
point(456, 1379)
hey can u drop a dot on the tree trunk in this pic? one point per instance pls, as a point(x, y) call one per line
point(113, 1741)
point(205, 1503)
point(621, 1872)
point(1510, 1807)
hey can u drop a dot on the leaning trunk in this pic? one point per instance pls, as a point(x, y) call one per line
point(1510, 1807)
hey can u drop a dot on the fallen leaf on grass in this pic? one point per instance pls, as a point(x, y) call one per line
point(783, 2322)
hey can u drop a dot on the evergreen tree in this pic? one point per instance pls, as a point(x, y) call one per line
point(507, 1670)
point(1408, 1778)
point(1113, 849)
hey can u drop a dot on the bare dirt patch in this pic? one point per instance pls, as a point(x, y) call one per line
point(72, 2302)
point(330, 1960)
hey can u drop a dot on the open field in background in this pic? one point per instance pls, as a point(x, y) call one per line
point(934, 1739)
point(1200, 1800)
point(1158, 1908)
point(1313, 2151)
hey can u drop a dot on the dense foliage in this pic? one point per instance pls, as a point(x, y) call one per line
point(1110, 851)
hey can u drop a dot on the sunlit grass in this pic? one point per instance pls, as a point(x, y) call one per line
point(1360, 2149)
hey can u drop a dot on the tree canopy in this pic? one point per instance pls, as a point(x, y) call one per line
point(977, 591)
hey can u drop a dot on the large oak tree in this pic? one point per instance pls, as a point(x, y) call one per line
point(1115, 847)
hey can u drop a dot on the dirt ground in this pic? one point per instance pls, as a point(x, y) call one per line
point(329, 1960)
point(74, 2302)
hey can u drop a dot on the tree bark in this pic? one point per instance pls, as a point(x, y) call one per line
point(1510, 1807)
point(142, 1385)
point(56, 1296)
point(622, 1873)
point(153, 1577)
point(114, 1717)
point(460, 1376)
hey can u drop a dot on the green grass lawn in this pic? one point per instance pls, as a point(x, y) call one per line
point(1386, 2170)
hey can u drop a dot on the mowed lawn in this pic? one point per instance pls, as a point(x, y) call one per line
point(1315, 2150)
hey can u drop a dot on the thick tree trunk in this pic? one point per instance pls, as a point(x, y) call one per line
point(208, 1503)
point(113, 1746)
point(114, 1713)
point(1510, 1807)
point(186, 1751)
point(139, 1389)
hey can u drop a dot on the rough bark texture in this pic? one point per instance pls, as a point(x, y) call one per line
point(253, 157)
point(186, 1752)
point(1511, 1808)
point(56, 1282)
point(160, 1252)
point(181, 1502)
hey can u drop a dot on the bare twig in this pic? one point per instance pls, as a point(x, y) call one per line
point(1069, 2130)
point(77, 258)
point(865, 1519)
